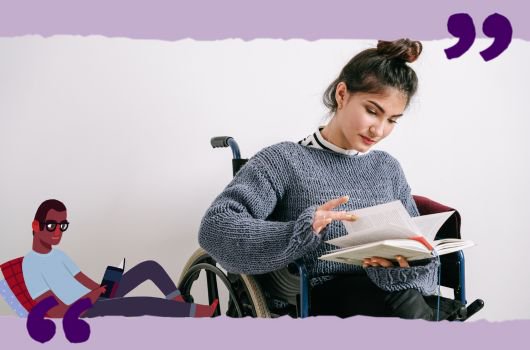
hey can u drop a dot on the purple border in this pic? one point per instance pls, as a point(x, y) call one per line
point(284, 333)
point(250, 19)
point(285, 19)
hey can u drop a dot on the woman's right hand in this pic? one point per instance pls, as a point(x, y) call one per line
point(325, 214)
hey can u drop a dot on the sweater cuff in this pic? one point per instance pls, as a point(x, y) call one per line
point(303, 228)
point(394, 279)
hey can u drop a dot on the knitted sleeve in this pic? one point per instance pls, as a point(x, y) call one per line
point(393, 279)
point(236, 233)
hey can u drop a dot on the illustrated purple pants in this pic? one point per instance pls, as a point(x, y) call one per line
point(140, 306)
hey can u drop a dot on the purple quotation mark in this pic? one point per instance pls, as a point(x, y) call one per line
point(496, 26)
point(43, 330)
point(75, 329)
point(39, 328)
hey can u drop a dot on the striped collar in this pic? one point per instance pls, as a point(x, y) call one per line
point(316, 140)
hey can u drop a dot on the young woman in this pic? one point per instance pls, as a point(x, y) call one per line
point(284, 203)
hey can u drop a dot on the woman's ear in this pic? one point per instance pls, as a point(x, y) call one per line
point(340, 94)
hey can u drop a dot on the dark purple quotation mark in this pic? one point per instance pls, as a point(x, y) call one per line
point(43, 330)
point(499, 28)
point(75, 329)
point(496, 26)
point(39, 328)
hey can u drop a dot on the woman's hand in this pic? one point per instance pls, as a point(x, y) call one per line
point(324, 214)
point(381, 262)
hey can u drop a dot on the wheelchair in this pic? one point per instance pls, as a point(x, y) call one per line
point(257, 295)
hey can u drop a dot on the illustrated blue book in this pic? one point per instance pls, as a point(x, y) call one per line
point(111, 279)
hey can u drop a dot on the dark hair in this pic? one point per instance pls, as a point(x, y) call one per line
point(375, 69)
point(45, 207)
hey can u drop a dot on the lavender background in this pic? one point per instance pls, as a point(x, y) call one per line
point(283, 333)
point(213, 20)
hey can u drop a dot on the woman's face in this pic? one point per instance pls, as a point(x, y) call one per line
point(363, 119)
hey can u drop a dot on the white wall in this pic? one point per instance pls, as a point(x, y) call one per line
point(119, 130)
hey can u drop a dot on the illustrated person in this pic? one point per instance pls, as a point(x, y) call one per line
point(48, 271)
point(290, 197)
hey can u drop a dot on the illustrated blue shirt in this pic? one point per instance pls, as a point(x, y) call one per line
point(53, 271)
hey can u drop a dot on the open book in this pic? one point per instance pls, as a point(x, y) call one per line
point(111, 279)
point(387, 230)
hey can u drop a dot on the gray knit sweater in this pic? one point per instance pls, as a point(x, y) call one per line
point(262, 221)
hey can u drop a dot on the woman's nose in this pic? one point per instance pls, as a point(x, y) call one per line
point(377, 129)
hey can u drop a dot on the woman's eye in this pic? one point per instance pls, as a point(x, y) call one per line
point(371, 111)
point(392, 121)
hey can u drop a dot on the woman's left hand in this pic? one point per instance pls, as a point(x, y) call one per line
point(381, 262)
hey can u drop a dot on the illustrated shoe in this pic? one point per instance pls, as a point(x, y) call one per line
point(206, 310)
point(179, 298)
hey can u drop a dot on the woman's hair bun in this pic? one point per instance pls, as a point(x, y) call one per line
point(402, 49)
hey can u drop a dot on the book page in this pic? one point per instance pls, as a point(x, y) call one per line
point(122, 265)
point(387, 249)
point(429, 225)
point(450, 245)
point(373, 234)
point(389, 213)
point(380, 222)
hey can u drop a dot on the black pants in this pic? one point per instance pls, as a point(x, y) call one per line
point(350, 295)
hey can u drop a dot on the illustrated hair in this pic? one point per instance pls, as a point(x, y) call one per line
point(376, 69)
point(45, 207)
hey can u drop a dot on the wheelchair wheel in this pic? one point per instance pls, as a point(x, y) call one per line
point(244, 294)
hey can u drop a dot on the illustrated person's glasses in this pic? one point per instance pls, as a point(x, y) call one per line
point(52, 225)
